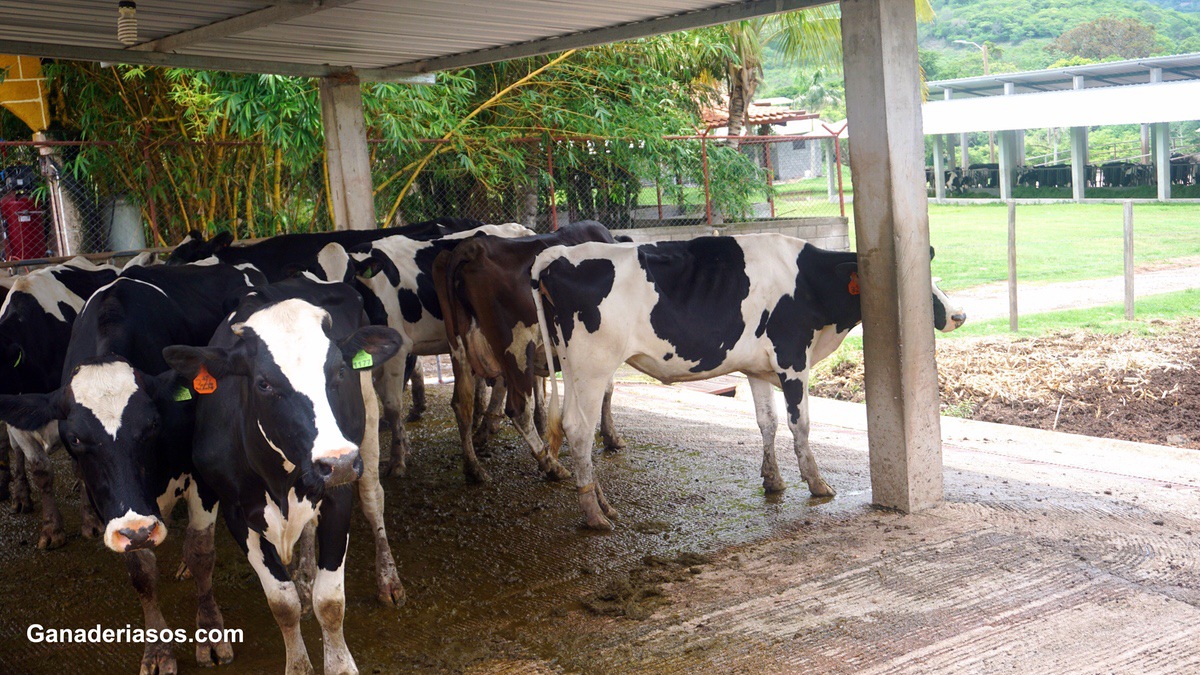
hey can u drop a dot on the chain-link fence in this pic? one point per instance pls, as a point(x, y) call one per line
point(70, 197)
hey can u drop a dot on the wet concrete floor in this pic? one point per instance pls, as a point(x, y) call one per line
point(1063, 558)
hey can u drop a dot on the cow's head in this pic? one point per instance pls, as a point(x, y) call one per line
point(946, 315)
point(194, 247)
point(109, 415)
point(293, 372)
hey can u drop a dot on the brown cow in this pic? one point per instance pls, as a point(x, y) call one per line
point(491, 324)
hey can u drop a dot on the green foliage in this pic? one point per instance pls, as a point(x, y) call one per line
point(1107, 37)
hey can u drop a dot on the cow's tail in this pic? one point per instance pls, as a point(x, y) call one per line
point(554, 430)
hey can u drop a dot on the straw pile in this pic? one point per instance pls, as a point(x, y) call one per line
point(1134, 387)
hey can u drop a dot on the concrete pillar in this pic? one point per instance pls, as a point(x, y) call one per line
point(1007, 147)
point(1079, 152)
point(950, 161)
point(1162, 148)
point(939, 169)
point(963, 141)
point(1019, 135)
point(891, 220)
point(347, 156)
point(1079, 160)
point(830, 168)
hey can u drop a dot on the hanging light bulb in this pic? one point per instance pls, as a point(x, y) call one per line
point(127, 22)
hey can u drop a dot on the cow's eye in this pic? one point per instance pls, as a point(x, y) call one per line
point(75, 441)
point(264, 386)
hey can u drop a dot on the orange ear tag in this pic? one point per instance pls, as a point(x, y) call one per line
point(854, 290)
point(204, 382)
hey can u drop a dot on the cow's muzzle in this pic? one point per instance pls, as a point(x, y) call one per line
point(134, 532)
point(339, 469)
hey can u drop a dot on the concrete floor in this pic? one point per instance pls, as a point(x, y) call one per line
point(1052, 553)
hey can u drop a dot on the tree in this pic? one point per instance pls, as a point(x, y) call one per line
point(1107, 38)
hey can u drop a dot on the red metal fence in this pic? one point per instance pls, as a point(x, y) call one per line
point(108, 195)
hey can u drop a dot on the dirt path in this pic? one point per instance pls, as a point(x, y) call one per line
point(991, 301)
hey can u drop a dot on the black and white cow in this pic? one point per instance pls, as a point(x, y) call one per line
point(35, 328)
point(121, 419)
point(766, 305)
point(396, 280)
point(279, 439)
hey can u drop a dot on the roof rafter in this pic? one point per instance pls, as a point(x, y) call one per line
point(279, 11)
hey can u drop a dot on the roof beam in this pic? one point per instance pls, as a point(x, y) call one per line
point(80, 53)
point(238, 24)
point(712, 16)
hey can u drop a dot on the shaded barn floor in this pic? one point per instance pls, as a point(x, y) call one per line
point(1054, 553)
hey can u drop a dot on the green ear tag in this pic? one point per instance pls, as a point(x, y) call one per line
point(182, 394)
point(20, 355)
point(362, 360)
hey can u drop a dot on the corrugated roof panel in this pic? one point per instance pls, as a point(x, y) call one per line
point(1130, 104)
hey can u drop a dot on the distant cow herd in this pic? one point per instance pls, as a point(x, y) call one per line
point(1185, 170)
point(253, 382)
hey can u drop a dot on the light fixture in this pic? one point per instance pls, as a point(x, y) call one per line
point(127, 22)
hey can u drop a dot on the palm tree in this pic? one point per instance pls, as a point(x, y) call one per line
point(812, 36)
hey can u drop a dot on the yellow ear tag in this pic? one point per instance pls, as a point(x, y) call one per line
point(204, 382)
point(182, 394)
point(362, 360)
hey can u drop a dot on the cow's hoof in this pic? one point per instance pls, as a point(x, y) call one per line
point(397, 467)
point(819, 488)
point(616, 445)
point(556, 471)
point(301, 666)
point(596, 510)
point(414, 415)
point(183, 573)
point(476, 474)
point(51, 538)
point(209, 654)
point(21, 503)
point(91, 527)
point(158, 660)
point(773, 484)
point(480, 438)
point(391, 591)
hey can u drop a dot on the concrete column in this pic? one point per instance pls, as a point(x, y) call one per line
point(879, 43)
point(1019, 135)
point(939, 169)
point(1162, 148)
point(950, 161)
point(1007, 148)
point(1079, 160)
point(347, 156)
point(963, 142)
point(830, 168)
point(1079, 151)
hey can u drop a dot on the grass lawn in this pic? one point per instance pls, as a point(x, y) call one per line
point(1055, 242)
point(1105, 319)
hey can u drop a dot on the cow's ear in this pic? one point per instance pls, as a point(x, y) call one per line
point(931, 253)
point(218, 361)
point(30, 412)
point(166, 386)
point(844, 270)
point(369, 267)
point(370, 346)
point(219, 242)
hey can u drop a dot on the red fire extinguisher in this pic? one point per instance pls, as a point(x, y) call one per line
point(25, 226)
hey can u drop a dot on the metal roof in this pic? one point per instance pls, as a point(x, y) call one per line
point(380, 39)
point(1115, 73)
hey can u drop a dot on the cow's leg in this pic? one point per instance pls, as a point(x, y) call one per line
point(521, 411)
point(390, 387)
point(52, 535)
point(479, 406)
point(90, 525)
point(370, 494)
point(582, 399)
point(487, 419)
point(415, 375)
point(303, 568)
point(608, 430)
point(539, 406)
point(199, 556)
point(5, 465)
point(280, 592)
point(795, 395)
point(465, 403)
point(157, 657)
point(764, 410)
point(329, 591)
point(21, 500)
